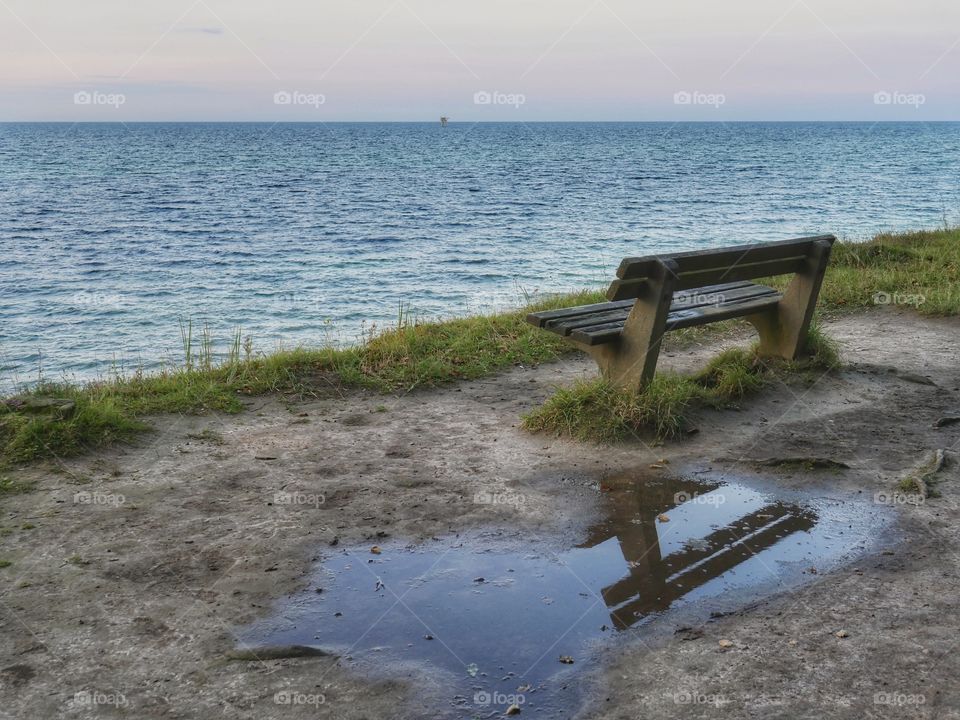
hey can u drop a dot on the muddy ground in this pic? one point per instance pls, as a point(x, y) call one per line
point(132, 569)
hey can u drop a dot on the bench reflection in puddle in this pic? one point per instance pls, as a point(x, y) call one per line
point(706, 531)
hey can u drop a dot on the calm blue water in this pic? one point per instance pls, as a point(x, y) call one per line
point(300, 234)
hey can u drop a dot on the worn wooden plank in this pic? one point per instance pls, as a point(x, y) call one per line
point(743, 271)
point(701, 297)
point(716, 313)
point(603, 333)
point(545, 317)
point(598, 334)
point(718, 295)
point(540, 319)
point(692, 260)
point(624, 289)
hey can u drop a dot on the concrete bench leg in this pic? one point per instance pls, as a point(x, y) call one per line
point(632, 360)
point(783, 330)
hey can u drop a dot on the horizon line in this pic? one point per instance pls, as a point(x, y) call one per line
point(460, 122)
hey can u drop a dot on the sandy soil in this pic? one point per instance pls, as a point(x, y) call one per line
point(132, 569)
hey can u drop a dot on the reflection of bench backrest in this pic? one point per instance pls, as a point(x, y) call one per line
point(653, 582)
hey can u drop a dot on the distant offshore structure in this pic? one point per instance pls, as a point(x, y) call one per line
point(443, 121)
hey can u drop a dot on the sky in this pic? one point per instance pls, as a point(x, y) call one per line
point(489, 60)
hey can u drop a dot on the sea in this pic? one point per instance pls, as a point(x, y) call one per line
point(115, 236)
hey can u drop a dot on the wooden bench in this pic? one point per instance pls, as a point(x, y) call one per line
point(658, 293)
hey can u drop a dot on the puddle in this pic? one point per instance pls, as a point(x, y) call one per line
point(485, 624)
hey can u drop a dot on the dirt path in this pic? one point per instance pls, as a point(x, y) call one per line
point(132, 569)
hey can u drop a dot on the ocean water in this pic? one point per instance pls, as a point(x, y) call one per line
point(110, 234)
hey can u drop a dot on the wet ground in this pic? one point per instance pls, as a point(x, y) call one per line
point(496, 625)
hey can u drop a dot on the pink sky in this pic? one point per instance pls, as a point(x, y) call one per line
point(493, 60)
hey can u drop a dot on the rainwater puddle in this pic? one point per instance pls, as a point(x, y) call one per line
point(482, 624)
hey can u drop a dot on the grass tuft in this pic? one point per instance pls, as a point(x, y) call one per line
point(598, 411)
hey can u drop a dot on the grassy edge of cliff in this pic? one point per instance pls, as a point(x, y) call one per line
point(919, 269)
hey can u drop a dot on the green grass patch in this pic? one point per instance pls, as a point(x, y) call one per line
point(597, 411)
point(919, 269)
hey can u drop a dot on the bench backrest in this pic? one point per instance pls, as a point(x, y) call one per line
point(701, 268)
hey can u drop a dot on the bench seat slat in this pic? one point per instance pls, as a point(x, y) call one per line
point(540, 319)
point(682, 301)
point(544, 318)
point(716, 313)
point(677, 319)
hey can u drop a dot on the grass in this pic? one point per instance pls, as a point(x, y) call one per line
point(919, 269)
point(916, 269)
point(597, 411)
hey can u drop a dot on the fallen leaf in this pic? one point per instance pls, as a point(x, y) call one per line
point(376, 550)
point(663, 517)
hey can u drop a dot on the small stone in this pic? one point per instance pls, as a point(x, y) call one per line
point(726, 644)
point(513, 709)
point(663, 517)
point(566, 659)
point(376, 550)
point(842, 633)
